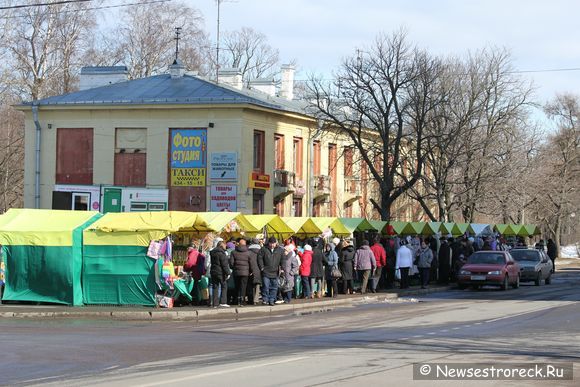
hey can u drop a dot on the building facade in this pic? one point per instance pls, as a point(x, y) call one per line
point(179, 142)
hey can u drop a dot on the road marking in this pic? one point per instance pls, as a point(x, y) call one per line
point(404, 338)
point(478, 323)
point(466, 326)
point(417, 336)
point(456, 328)
point(431, 333)
point(221, 372)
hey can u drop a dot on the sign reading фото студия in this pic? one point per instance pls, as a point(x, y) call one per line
point(223, 166)
point(188, 157)
point(223, 198)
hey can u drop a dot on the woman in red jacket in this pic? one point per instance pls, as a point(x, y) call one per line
point(305, 270)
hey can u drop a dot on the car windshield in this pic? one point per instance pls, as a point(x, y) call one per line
point(526, 255)
point(487, 258)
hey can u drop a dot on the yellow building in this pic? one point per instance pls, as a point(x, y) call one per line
point(179, 142)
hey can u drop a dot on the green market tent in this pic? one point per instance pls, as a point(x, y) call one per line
point(43, 254)
point(460, 228)
point(397, 226)
point(413, 228)
point(531, 229)
point(116, 268)
point(303, 227)
point(505, 229)
point(447, 228)
point(357, 224)
point(432, 228)
point(379, 225)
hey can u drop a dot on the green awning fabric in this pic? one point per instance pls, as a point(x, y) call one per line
point(413, 228)
point(379, 225)
point(460, 228)
point(532, 229)
point(505, 229)
point(447, 228)
point(480, 229)
point(431, 228)
point(357, 224)
point(398, 226)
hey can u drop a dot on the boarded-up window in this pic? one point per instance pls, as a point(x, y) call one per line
point(131, 156)
point(74, 156)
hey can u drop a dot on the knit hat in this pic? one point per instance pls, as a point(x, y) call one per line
point(336, 241)
point(365, 243)
point(254, 241)
point(272, 240)
point(307, 248)
point(230, 245)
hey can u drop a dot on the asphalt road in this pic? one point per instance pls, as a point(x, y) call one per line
point(367, 344)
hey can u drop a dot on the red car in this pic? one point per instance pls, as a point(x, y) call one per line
point(496, 268)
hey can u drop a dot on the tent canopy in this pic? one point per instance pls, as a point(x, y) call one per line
point(303, 227)
point(43, 254)
point(398, 226)
point(379, 225)
point(431, 228)
point(505, 229)
point(272, 224)
point(531, 229)
point(460, 228)
point(335, 224)
point(413, 228)
point(357, 224)
point(480, 229)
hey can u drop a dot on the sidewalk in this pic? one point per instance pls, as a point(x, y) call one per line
point(199, 313)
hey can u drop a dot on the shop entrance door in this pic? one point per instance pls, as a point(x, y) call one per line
point(112, 200)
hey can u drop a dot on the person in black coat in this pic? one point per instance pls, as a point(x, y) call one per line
point(391, 260)
point(220, 273)
point(552, 252)
point(255, 274)
point(317, 267)
point(241, 263)
point(269, 260)
point(346, 264)
point(444, 262)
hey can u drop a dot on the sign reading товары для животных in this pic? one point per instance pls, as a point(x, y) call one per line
point(223, 166)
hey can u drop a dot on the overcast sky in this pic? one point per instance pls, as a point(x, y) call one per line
point(541, 35)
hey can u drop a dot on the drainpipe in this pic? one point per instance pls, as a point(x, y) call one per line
point(37, 157)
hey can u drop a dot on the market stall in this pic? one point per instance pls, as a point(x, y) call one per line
point(303, 227)
point(270, 225)
point(43, 257)
point(331, 226)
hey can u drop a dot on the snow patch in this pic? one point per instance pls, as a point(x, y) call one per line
point(570, 251)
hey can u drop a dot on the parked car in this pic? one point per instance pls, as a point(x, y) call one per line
point(496, 268)
point(535, 265)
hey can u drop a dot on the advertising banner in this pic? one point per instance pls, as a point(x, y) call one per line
point(259, 180)
point(223, 198)
point(188, 157)
point(223, 166)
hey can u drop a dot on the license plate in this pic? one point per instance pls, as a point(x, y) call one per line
point(478, 278)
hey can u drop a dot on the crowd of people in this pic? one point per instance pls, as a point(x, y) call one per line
point(266, 271)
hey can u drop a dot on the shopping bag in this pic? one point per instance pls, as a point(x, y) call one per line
point(336, 273)
point(398, 274)
point(166, 302)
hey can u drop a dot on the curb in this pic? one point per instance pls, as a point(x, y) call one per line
point(226, 313)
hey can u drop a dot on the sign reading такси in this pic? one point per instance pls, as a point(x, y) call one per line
point(188, 157)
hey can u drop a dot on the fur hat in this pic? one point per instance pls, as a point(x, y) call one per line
point(307, 248)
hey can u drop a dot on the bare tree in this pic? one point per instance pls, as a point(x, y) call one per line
point(145, 41)
point(46, 43)
point(248, 50)
point(383, 100)
point(11, 157)
point(557, 168)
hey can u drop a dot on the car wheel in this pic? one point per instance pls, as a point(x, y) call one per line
point(505, 283)
point(538, 280)
point(548, 280)
point(516, 284)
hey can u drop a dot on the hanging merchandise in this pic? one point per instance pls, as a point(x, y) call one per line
point(154, 249)
point(169, 247)
point(168, 272)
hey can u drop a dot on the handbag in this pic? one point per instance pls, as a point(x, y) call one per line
point(281, 281)
point(336, 273)
point(398, 274)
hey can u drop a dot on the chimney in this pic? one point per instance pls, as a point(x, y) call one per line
point(287, 84)
point(231, 77)
point(177, 69)
point(97, 76)
point(263, 85)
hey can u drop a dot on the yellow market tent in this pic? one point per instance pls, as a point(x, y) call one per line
point(303, 227)
point(272, 225)
point(335, 224)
